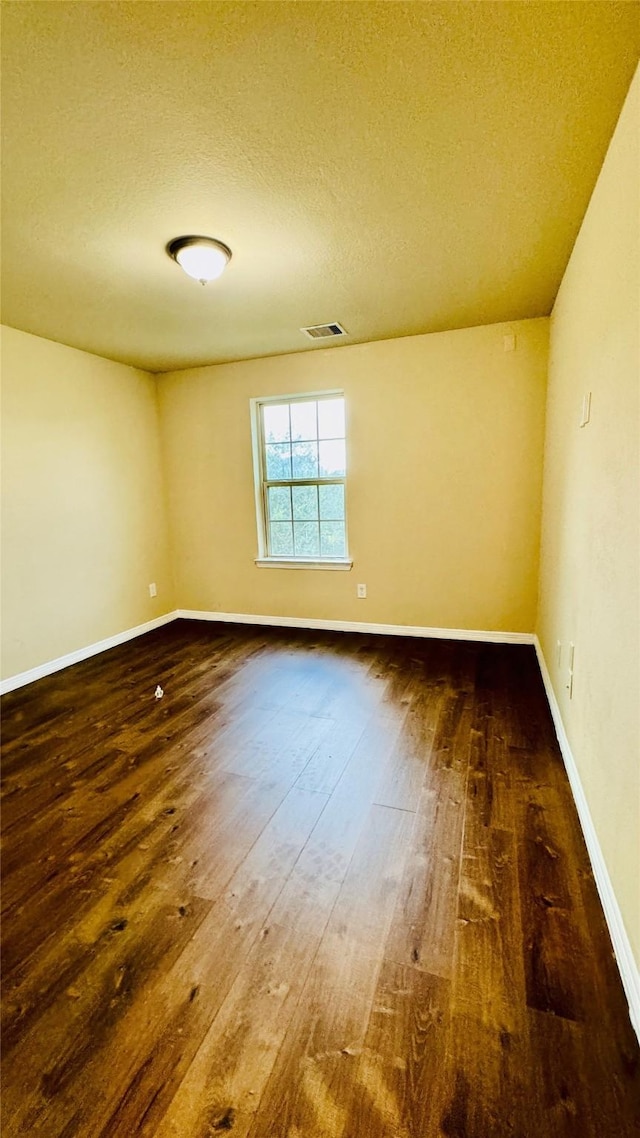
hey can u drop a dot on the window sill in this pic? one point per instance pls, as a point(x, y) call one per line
point(302, 563)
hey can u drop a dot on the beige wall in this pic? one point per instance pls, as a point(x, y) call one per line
point(590, 572)
point(82, 501)
point(444, 441)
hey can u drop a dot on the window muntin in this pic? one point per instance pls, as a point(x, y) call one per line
point(302, 464)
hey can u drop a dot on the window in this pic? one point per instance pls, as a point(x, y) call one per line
point(300, 470)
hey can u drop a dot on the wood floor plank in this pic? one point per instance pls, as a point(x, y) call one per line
point(332, 753)
point(423, 929)
point(225, 1081)
point(164, 1008)
point(551, 934)
point(400, 1073)
point(329, 886)
point(488, 1053)
point(404, 782)
point(230, 1071)
point(424, 923)
point(283, 746)
point(311, 1087)
point(569, 1066)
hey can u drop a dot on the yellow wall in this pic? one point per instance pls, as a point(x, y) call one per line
point(82, 501)
point(590, 570)
point(444, 439)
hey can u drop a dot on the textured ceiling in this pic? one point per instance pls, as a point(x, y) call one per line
point(400, 168)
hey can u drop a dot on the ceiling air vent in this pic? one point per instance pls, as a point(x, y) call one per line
point(324, 331)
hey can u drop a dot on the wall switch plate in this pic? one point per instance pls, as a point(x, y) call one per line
point(585, 414)
point(153, 592)
point(509, 342)
point(362, 592)
point(558, 653)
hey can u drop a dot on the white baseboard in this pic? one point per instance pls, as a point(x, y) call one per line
point(620, 940)
point(360, 626)
point(37, 673)
point(51, 666)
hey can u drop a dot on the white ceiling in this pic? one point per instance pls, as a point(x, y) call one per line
point(400, 168)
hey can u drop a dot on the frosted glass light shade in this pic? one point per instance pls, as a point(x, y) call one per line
point(202, 258)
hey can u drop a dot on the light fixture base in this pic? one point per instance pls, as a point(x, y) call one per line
point(201, 258)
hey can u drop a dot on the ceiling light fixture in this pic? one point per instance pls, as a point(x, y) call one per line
point(202, 258)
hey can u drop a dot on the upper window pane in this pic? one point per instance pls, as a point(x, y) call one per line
point(304, 421)
point(305, 460)
point(332, 459)
point(331, 418)
point(276, 423)
point(278, 456)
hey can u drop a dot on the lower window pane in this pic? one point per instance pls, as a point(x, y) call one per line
point(307, 542)
point(281, 534)
point(332, 539)
point(305, 503)
point(332, 503)
point(279, 503)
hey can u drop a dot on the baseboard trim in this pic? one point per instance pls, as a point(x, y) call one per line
point(51, 666)
point(621, 946)
point(37, 673)
point(360, 626)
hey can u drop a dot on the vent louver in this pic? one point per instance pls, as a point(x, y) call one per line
point(324, 331)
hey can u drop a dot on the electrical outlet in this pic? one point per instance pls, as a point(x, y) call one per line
point(362, 592)
point(153, 592)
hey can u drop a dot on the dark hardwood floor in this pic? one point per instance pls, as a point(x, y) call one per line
point(329, 886)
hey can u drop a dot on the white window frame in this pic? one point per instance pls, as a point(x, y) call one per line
point(261, 483)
